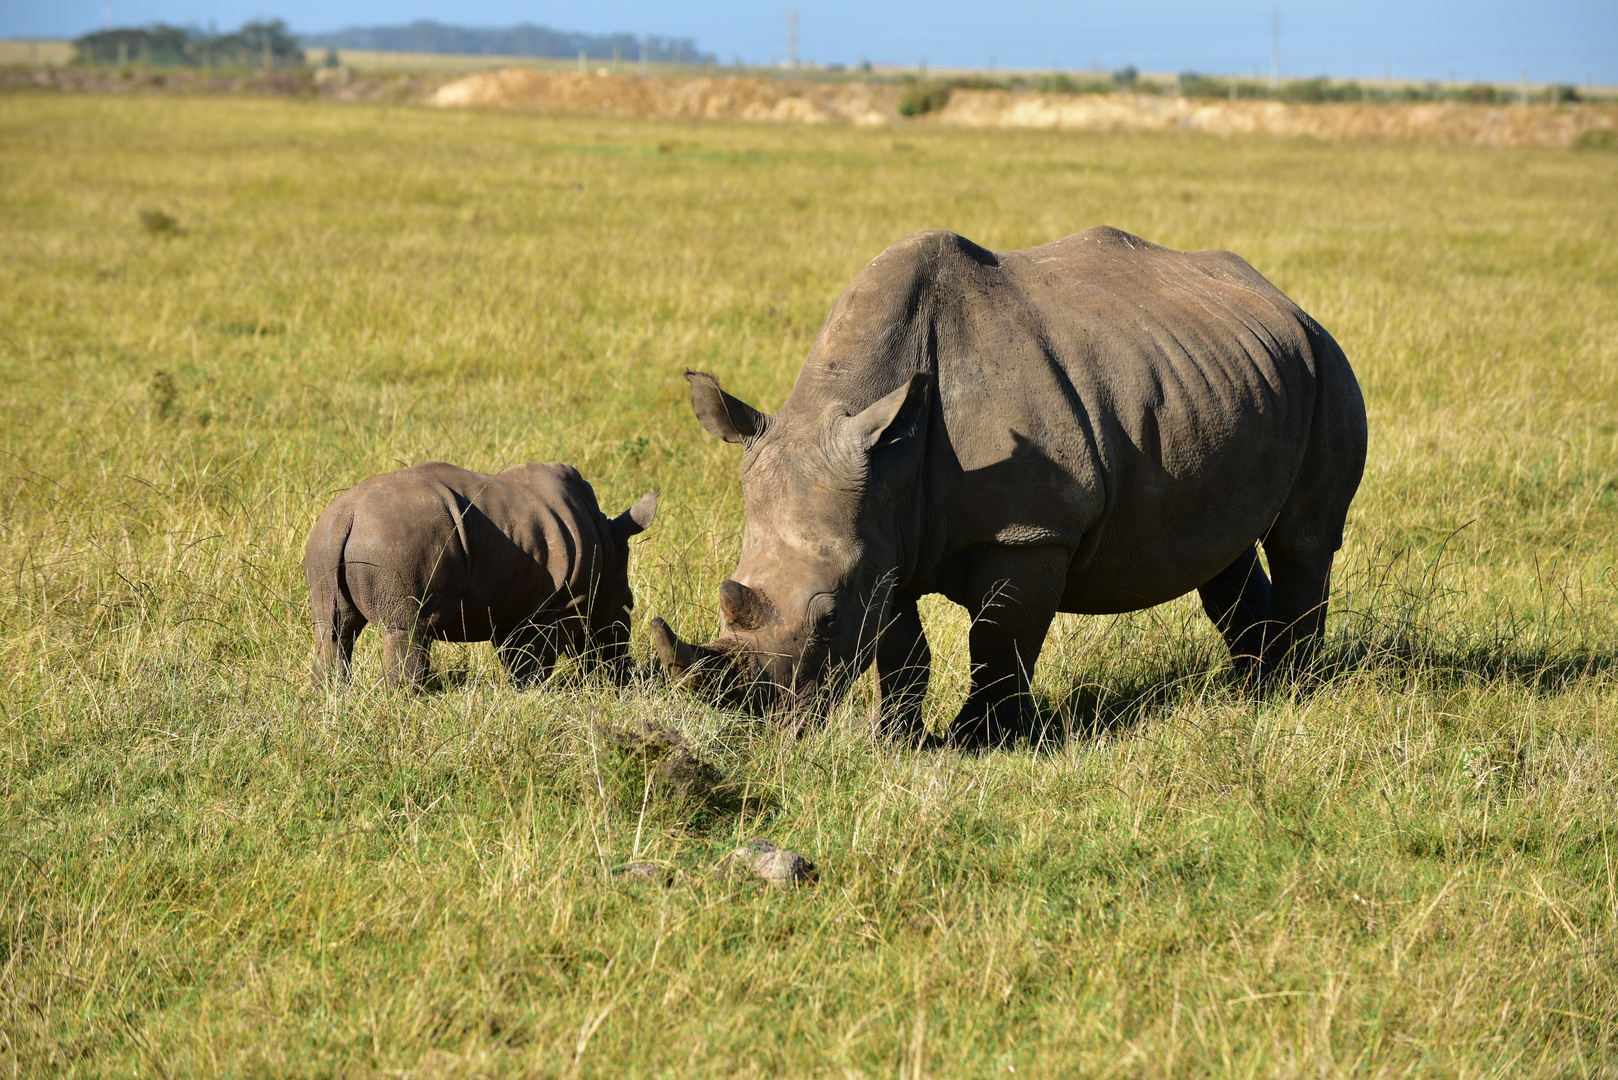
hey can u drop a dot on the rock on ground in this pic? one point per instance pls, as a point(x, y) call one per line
point(779, 867)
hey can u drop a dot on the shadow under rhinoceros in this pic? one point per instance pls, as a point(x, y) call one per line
point(1090, 711)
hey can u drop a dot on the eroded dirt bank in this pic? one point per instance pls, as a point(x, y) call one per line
point(866, 104)
point(1480, 125)
point(878, 103)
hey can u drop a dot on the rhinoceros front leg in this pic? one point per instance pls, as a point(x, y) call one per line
point(527, 653)
point(903, 666)
point(1012, 595)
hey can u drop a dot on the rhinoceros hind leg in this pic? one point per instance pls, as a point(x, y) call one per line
point(1237, 599)
point(1012, 596)
point(527, 654)
point(1298, 605)
point(903, 667)
point(334, 646)
point(406, 658)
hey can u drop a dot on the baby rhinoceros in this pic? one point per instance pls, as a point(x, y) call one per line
point(524, 558)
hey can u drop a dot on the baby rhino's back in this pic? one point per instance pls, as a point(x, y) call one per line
point(466, 556)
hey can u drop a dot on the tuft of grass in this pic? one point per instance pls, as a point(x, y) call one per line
point(1401, 865)
point(1597, 139)
point(158, 223)
point(923, 96)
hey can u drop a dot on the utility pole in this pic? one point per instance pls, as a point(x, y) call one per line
point(1275, 50)
point(792, 38)
point(1524, 86)
point(643, 56)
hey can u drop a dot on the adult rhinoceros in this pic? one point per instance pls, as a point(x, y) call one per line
point(1096, 425)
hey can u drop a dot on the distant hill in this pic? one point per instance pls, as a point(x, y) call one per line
point(525, 39)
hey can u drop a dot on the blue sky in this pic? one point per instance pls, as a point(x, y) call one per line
point(1569, 41)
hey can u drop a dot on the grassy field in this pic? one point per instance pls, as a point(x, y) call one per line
point(1406, 868)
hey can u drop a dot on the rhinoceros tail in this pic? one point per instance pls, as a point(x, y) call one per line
point(331, 605)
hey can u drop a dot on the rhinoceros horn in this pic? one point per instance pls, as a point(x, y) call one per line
point(742, 608)
point(677, 657)
point(712, 671)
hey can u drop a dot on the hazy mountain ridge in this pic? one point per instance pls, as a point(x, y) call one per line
point(525, 39)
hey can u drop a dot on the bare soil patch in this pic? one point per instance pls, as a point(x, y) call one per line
point(860, 103)
point(725, 98)
point(1478, 125)
point(670, 98)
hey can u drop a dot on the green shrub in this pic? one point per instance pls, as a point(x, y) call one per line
point(1597, 139)
point(923, 97)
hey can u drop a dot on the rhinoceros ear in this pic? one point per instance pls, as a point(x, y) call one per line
point(637, 518)
point(725, 417)
point(887, 420)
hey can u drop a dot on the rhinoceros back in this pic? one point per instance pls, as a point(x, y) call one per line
point(466, 556)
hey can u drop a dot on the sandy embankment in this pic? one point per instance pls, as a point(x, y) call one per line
point(669, 98)
point(725, 98)
point(1479, 125)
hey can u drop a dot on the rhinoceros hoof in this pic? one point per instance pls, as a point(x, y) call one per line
point(779, 867)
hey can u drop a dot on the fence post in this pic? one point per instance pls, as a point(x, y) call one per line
point(1275, 50)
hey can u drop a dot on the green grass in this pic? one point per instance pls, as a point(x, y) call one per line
point(207, 868)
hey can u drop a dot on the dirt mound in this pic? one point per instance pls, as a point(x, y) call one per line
point(803, 102)
point(1480, 125)
point(723, 98)
point(668, 98)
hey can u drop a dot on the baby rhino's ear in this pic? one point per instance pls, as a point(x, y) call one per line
point(637, 518)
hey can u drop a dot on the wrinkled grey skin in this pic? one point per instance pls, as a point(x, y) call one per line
point(1096, 425)
point(524, 559)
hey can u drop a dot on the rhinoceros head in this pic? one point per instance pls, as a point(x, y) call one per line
point(828, 491)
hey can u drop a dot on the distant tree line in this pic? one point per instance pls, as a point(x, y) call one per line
point(270, 44)
point(1193, 84)
point(255, 45)
point(526, 39)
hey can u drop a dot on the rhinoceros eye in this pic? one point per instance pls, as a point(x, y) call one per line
point(823, 614)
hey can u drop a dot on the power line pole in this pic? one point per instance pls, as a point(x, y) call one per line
point(792, 38)
point(1275, 50)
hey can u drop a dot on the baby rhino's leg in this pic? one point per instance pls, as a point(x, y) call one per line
point(337, 623)
point(406, 658)
point(334, 644)
point(527, 653)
